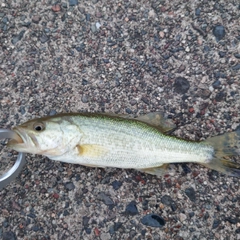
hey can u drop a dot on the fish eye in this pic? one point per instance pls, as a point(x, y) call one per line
point(39, 126)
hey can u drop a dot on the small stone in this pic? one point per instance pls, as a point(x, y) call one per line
point(217, 84)
point(36, 19)
point(145, 100)
point(105, 236)
point(9, 236)
point(181, 68)
point(221, 54)
point(88, 16)
point(85, 220)
point(69, 186)
point(182, 217)
point(131, 208)
point(98, 25)
point(219, 32)
point(133, 102)
point(18, 37)
point(73, 2)
point(52, 112)
point(166, 200)
point(97, 232)
point(43, 38)
point(236, 67)
point(93, 28)
point(216, 223)
point(161, 34)
point(181, 85)
point(197, 11)
point(220, 96)
point(85, 98)
point(88, 230)
point(84, 82)
point(55, 195)
point(116, 184)
point(128, 111)
point(190, 192)
point(185, 167)
point(56, 8)
point(231, 220)
point(106, 199)
point(153, 220)
point(237, 55)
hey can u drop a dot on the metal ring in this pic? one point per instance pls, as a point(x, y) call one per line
point(11, 174)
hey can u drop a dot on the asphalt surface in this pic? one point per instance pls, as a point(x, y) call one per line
point(130, 57)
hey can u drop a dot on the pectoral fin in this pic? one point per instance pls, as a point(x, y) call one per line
point(91, 150)
point(158, 171)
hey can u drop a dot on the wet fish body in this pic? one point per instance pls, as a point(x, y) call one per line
point(100, 140)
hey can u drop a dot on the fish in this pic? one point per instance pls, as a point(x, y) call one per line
point(121, 141)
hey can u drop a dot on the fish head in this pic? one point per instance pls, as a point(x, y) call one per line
point(39, 136)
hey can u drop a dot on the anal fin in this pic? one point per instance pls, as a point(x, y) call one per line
point(158, 171)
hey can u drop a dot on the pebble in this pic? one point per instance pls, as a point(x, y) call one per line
point(186, 169)
point(217, 84)
point(9, 236)
point(85, 98)
point(221, 54)
point(52, 112)
point(105, 236)
point(131, 208)
point(69, 186)
point(153, 220)
point(84, 82)
point(43, 38)
point(115, 227)
point(18, 37)
point(161, 34)
point(94, 28)
point(237, 55)
point(182, 217)
point(167, 200)
point(106, 199)
point(85, 220)
point(181, 68)
point(56, 8)
point(220, 96)
point(73, 2)
point(98, 25)
point(236, 67)
point(197, 11)
point(36, 19)
point(181, 85)
point(116, 184)
point(219, 32)
point(190, 192)
point(216, 223)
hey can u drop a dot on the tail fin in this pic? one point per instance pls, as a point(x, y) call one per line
point(227, 148)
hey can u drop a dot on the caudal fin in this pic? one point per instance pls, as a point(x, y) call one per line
point(227, 148)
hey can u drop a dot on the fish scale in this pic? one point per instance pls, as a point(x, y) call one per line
point(100, 140)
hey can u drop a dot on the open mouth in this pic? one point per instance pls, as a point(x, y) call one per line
point(16, 138)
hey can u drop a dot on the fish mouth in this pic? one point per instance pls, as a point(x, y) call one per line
point(21, 140)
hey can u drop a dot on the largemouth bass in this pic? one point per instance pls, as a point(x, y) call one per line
point(100, 140)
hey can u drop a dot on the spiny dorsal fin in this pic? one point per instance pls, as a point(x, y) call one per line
point(156, 119)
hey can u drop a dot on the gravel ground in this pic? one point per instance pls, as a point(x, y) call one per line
point(132, 57)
